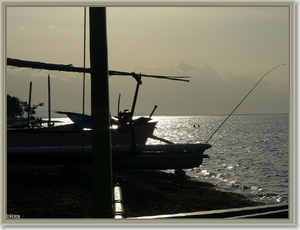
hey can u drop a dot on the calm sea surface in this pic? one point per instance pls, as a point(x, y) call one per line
point(249, 154)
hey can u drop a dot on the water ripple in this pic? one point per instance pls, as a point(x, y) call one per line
point(249, 154)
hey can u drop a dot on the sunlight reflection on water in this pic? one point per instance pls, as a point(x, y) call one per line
point(249, 151)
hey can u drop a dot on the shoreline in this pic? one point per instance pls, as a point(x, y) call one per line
point(168, 193)
point(67, 192)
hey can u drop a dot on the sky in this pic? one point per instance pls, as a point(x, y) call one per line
point(224, 49)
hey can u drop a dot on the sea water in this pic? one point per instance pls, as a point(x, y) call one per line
point(249, 154)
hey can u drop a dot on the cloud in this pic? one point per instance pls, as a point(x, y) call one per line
point(185, 67)
point(51, 27)
point(210, 91)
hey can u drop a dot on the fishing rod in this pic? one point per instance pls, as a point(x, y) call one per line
point(242, 101)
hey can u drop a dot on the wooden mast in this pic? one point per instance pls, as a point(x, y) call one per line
point(49, 102)
point(29, 105)
point(101, 140)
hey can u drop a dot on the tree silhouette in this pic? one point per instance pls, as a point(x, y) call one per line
point(17, 108)
point(14, 107)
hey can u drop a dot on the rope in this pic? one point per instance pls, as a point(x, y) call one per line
point(243, 100)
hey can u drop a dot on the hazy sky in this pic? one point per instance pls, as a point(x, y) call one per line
point(225, 50)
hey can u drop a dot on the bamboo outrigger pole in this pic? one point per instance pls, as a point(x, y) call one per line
point(101, 142)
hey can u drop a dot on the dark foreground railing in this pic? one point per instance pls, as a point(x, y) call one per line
point(262, 211)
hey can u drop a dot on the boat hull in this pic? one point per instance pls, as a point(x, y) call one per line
point(56, 146)
point(179, 156)
point(62, 137)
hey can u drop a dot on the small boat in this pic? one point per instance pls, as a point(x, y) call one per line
point(72, 135)
point(17, 124)
point(23, 122)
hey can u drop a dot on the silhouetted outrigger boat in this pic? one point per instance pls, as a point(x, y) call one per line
point(125, 130)
point(63, 144)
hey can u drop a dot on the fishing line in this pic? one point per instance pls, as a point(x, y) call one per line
point(243, 100)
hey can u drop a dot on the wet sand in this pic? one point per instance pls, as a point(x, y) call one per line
point(67, 192)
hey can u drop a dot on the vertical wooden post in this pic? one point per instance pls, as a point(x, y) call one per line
point(49, 102)
point(102, 171)
point(29, 105)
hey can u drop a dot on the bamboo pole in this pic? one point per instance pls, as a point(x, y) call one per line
point(101, 140)
point(29, 105)
point(49, 102)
